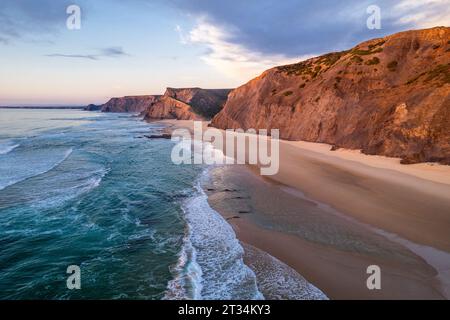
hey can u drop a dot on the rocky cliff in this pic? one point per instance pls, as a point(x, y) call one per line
point(129, 104)
point(92, 107)
point(387, 96)
point(187, 104)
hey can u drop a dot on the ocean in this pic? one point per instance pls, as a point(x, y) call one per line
point(88, 189)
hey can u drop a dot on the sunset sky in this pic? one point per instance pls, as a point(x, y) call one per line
point(140, 47)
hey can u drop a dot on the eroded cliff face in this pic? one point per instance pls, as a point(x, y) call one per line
point(387, 96)
point(181, 104)
point(135, 104)
point(187, 104)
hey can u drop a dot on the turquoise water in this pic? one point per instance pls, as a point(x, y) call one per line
point(86, 189)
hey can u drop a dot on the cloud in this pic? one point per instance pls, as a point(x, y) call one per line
point(424, 13)
point(4, 40)
point(232, 59)
point(242, 37)
point(304, 27)
point(289, 27)
point(181, 34)
point(79, 56)
point(30, 19)
point(111, 52)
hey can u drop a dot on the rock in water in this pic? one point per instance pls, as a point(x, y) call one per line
point(92, 107)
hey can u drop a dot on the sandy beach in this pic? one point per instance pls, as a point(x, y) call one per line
point(331, 214)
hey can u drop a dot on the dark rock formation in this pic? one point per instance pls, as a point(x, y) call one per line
point(92, 107)
point(135, 104)
point(187, 104)
point(181, 104)
point(161, 136)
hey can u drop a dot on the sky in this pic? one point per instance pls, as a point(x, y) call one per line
point(139, 47)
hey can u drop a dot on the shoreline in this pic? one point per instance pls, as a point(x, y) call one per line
point(378, 200)
point(334, 256)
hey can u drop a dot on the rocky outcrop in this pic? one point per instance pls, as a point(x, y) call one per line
point(92, 107)
point(135, 104)
point(387, 96)
point(187, 104)
point(182, 104)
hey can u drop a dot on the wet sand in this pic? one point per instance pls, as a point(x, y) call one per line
point(331, 214)
point(411, 201)
point(330, 251)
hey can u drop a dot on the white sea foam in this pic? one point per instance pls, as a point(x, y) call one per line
point(211, 263)
point(188, 274)
point(5, 149)
point(65, 194)
point(95, 180)
point(22, 177)
point(277, 280)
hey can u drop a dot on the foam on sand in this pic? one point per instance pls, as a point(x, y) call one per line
point(277, 280)
point(211, 263)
